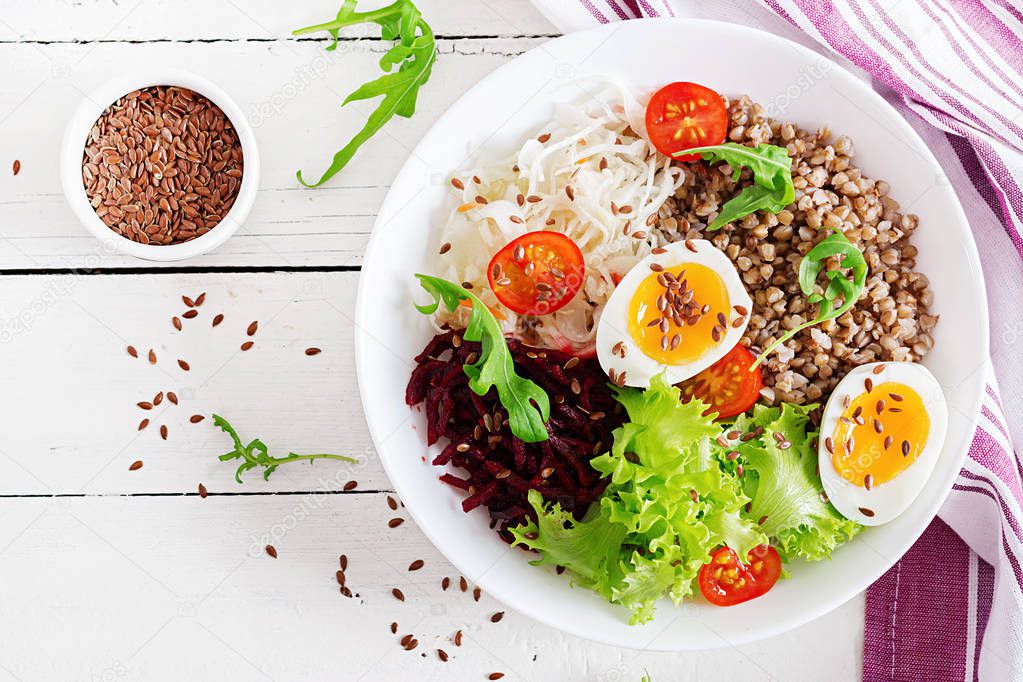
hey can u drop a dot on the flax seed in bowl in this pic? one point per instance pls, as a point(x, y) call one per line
point(162, 166)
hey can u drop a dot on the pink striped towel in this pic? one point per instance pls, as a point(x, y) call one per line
point(952, 607)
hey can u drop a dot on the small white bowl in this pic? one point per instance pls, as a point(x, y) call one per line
point(73, 147)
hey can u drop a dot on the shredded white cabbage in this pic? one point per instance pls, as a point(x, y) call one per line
point(619, 180)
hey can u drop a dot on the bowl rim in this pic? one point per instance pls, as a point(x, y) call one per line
point(73, 145)
point(392, 205)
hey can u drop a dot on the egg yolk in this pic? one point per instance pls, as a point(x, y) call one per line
point(880, 433)
point(678, 314)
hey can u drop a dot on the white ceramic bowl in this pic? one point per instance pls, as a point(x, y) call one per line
point(507, 107)
point(73, 146)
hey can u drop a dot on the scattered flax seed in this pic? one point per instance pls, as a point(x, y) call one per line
point(183, 365)
point(495, 676)
point(476, 593)
point(345, 592)
point(398, 594)
point(868, 384)
point(458, 638)
point(158, 398)
point(496, 618)
point(868, 481)
point(445, 583)
point(132, 352)
point(349, 486)
point(342, 561)
point(457, 184)
point(16, 167)
point(392, 503)
point(202, 491)
point(217, 319)
point(878, 369)
point(896, 397)
point(313, 351)
point(905, 448)
point(196, 418)
point(200, 299)
point(136, 465)
point(481, 200)
point(143, 424)
point(690, 245)
point(405, 640)
point(866, 512)
point(187, 300)
point(543, 138)
point(163, 431)
point(189, 314)
point(412, 645)
point(442, 655)
point(247, 345)
point(416, 565)
point(145, 405)
point(272, 551)
point(444, 248)
point(463, 584)
point(570, 192)
point(152, 357)
point(340, 575)
point(253, 326)
point(762, 520)
point(173, 397)
point(395, 522)
point(394, 628)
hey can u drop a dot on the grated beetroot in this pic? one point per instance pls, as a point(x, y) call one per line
point(502, 468)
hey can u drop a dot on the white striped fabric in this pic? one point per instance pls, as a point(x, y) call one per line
point(954, 68)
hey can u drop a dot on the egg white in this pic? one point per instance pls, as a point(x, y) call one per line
point(613, 324)
point(886, 500)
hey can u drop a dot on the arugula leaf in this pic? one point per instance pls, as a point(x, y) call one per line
point(772, 174)
point(414, 55)
point(528, 406)
point(838, 283)
point(256, 453)
point(784, 485)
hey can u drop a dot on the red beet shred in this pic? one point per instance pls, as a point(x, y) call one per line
point(501, 468)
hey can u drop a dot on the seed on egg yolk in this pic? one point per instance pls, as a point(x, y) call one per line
point(699, 298)
point(879, 434)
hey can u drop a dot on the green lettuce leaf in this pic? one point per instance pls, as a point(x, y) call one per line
point(668, 506)
point(785, 487)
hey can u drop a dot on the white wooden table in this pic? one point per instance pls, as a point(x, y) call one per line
point(110, 574)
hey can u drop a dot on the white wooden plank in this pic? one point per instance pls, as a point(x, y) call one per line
point(180, 589)
point(73, 389)
point(291, 93)
point(48, 20)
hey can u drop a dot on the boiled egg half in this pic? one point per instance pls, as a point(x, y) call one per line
point(679, 310)
point(881, 433)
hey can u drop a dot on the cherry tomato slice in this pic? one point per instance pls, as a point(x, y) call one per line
point(728, 386)
point(685, 115)
point(725, 581)
point(537, 273)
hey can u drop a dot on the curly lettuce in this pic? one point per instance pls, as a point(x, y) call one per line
point(675, 494)
point(667, 506)
point(784, 485)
